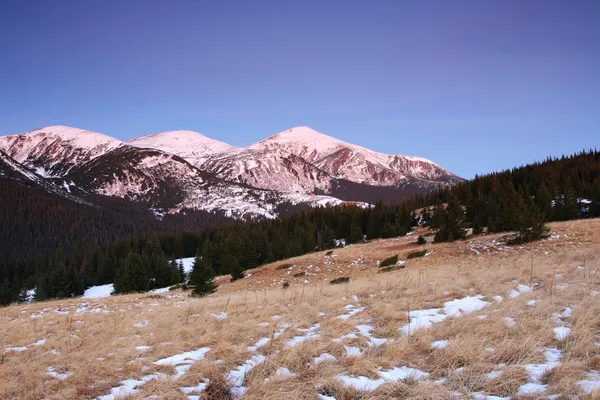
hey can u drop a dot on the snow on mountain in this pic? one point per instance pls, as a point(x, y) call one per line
point(190, 145)
point(11, 169)
point(272, 170)
point(170, 184)
point(179, 170)
point(303, 160)
point(52, 151)
point(301, 141)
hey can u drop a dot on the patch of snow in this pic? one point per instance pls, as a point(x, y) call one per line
point(51, 372)
point(591, 382)
point(561, 332)
point(353, 351)
point(439, 344)
point(308, 334)
point(324, 358)
point(530, 389)
point(188, 264)
point(183, 362)
point(95, 292)
point(352, 310)
point(142, 324)
point(454, 308)
point(220, 316)
point(520, 290)
point(364, 384)
point(237, 376)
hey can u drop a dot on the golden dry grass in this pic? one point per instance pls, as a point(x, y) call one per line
point(96, 343)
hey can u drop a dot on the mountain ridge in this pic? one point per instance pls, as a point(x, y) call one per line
point(182, 169)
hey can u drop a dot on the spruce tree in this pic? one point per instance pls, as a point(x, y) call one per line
point(175, 273)
point(182, 274)
point(235, 268)
point(202, 277)
point(451, 222)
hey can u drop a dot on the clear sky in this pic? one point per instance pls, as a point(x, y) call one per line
point(476, 86)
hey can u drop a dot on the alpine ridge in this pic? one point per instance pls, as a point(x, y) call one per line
point(185, 170)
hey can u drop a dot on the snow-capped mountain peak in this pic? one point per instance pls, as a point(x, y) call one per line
point(190, 145)
point(54, 150)
point(301, 141)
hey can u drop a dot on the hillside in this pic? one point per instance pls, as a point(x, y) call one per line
point(472, 320)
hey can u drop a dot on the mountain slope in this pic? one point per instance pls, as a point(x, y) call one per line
point(352, 162)
point(52, 151)
point(11, 170)
point(190, 145)
point(303, 160)
point(169, 184)
point(185, 170)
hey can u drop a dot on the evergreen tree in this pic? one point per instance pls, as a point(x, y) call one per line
point(356, 233)
point(7, 295)
point(451, 222)
point(175, 273)
point(202, 277)
point(182, 274)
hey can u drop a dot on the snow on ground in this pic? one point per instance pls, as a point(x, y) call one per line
point(454, 308)
point(513, 294)
point(95, 292)
point(307, 334)
point(398, 374)
point(220, 316)
point(51, 372)
point(561, 332)
point(352, 310)
point(188, 264)
point(182, 363)
point(591, 382)
point(236, 376)
point(439, 344)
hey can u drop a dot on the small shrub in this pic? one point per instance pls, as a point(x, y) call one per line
point(343, 279)
point(285, 285)
point(181, 286)
point(392, 268)
point(515, 241)
point(421, 240)
point(284, 266)
point(389, 261)
point(299, 274)
point(330, 252)
point(416, 254)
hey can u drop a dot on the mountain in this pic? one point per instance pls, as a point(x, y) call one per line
point(190, 145)
point(351, 162)
point(12, 170)
point(303, 160)
point(52, 151)
point(169, 184)
point(184, 170)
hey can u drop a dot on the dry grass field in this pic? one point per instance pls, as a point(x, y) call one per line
point(471, 320)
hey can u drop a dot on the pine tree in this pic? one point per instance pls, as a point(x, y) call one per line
point(235, 268)
point(202, 277)
point(356, 233)
point(175, 273)
point(182, 274)
point(451, 222)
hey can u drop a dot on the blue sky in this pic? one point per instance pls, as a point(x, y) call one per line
point(476, 86)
